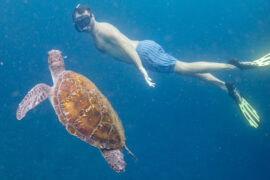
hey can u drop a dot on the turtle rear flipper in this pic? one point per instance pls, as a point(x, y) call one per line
point(115, 159)
point(35, 96)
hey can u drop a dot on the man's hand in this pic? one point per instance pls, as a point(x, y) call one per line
point(146, 77)
point(149, 81)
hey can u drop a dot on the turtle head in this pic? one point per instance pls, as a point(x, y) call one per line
point(56, 63)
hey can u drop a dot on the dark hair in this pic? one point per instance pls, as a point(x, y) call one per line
point(80, 10)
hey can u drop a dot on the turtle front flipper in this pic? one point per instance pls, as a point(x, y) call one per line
point(35, 96)
point(115, 159)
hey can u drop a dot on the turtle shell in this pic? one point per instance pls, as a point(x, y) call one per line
point(86, 113)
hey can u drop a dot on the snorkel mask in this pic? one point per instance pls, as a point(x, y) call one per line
point(81, 20)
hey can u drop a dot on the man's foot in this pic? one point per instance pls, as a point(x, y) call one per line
point(243, 65)
point(247, 110)
point(258, 63)
point(233, 92)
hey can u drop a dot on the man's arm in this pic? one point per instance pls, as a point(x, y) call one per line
point(133, 55)
point(137, 61)
point(115, 36)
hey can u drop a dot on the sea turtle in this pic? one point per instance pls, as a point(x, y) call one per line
point(82, 109)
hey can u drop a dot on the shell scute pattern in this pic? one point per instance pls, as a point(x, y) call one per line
point(86, 113)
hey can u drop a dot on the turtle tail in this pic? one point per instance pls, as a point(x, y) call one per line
point(129, 152)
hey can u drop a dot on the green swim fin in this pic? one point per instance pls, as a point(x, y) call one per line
point(247, 110)
point(258, 63)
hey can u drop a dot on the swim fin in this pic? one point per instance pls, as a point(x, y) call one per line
point(247, 110)
point(258, 63)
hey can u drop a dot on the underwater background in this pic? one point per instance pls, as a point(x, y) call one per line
point(181, 129)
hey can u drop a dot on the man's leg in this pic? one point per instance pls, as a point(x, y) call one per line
point(201, 67)
point(246, 109)
point(207, 77)
point(208, 67)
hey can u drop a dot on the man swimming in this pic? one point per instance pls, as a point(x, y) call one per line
point(150, 55)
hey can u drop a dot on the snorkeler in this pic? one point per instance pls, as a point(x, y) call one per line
point(150, 55)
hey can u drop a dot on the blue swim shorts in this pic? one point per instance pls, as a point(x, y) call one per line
point(154, 57)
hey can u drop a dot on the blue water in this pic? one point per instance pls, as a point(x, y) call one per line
point(181, 129)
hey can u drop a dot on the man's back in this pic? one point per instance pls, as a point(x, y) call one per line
point(111, 41)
